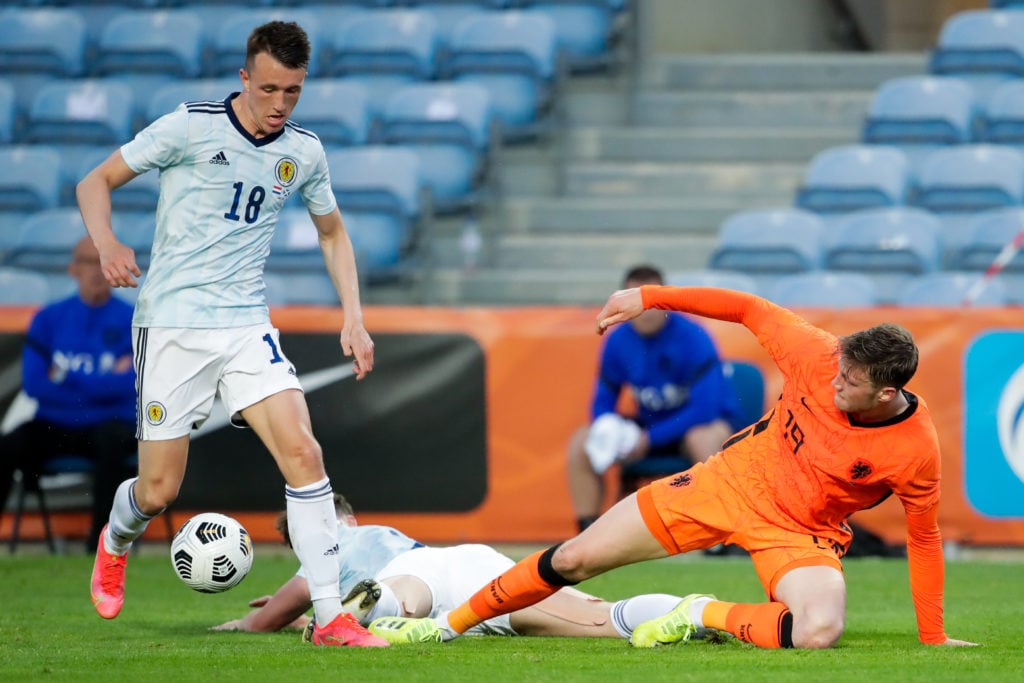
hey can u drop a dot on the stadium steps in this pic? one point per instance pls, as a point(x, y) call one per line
point(648, 171)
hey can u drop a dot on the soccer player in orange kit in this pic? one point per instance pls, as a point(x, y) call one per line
point(844, 435)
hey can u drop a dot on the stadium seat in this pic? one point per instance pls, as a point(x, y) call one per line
point(448, 13)
point(19, 287)
point(823, 289)
point(851, 177)
point(379, 192)
point(170, 95)
point(8, 113)
point(139, 194)
point(895, 240)
point(584, 29)
point(980, 41)
point(154, 42)
point(513, 55)
point(725, 279)
point(448, 126)
point(921, 110)
point(986, 234)
point(1003, 119)
point(46, 239)
point(337, 110)
point(950, 289)
point(227, 52)
point(136, 229)
point(43, 40)
point(29, 178)
point(86, 111)
point(771, 241)
point(969, 178)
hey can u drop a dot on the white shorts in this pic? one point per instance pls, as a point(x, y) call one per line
point(453, 575)
point(179, 372)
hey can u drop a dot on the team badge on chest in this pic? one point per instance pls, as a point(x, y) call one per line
point(285, 173)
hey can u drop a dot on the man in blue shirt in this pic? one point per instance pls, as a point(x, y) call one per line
point(684, 405)
point(77, 366)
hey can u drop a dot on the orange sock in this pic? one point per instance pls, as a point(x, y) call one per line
point(519, 587)
point(765, 624)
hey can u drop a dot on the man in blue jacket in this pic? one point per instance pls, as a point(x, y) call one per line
point(684, 405)
point(77, 366)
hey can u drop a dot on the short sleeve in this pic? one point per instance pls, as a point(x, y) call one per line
point(160, 144)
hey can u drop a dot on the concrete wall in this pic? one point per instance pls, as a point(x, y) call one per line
point(712, 26)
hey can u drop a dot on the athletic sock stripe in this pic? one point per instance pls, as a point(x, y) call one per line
point(323, 491)
point(786, 629)
point(619, 620)
point(139, 514)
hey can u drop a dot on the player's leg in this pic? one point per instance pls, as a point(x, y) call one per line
point(703, 441)
point(586, 487)
point(816, 596)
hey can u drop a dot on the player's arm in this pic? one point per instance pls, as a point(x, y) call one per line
point(339, 256)
point(285, 608)
point(93, 193)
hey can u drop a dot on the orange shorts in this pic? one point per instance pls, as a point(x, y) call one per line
point(695, 509)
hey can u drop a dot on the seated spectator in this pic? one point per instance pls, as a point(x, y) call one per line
point(77, 365)
point(685, 405)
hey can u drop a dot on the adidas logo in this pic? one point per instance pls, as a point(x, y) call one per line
point(220, 159)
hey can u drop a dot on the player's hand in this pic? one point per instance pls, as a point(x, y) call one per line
point(356, 342)
point(953, 642)
point(259, 602)
point(118, 264)
point(233, 625)
point(621, 306)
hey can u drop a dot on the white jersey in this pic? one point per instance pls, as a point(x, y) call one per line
point(365, 550)
point(221, 190)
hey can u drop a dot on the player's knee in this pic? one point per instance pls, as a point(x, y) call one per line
point(570, 563)
point(307, 454)
point(817, 631)
point(154, 496)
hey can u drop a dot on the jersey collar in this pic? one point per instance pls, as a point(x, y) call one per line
point(905, 415)
point(255, 141)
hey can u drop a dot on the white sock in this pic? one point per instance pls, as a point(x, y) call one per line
point(127, 521)
point(388, 605)
point(447, 632)
point(313, 525)
point(697, 611)
point(630, 613)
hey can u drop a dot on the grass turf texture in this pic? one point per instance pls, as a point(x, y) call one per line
point(49, 631)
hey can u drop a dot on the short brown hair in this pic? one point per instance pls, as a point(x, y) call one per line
point(341, 507)
point(644, 274)
point(886, 352)
point(285, 41)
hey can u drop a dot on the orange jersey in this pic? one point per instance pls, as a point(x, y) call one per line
point(806, 466)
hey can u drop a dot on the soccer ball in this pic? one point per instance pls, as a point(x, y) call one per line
point(211, 552)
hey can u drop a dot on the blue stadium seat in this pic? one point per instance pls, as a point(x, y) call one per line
point(980, 41)
point(29, 178)
point(46, 239)
point(337, 110)
point(898, 240)
point(45, 40)
point(8, 112)
point(19, 287)
point(448, 125)
point(139, 194)
point(379, 192)
point(823, 289)
point(136, 229)
point(725, 279)
point(851, 177)
point(1003, 119)
point(87, 111)
point(970, 178)
point(921, 110)
point(949, 289)
point(448, 13)
point(170, 95)
point(391, 42)
point(165, 42)
point(986, 233)
point(227, 52)
point(294, 247)
point(513, 55)
point(584, 29)
point(771, 241)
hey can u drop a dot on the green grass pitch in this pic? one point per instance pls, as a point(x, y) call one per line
point(49, 632)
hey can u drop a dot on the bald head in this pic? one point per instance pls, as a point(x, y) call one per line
point(85, 269)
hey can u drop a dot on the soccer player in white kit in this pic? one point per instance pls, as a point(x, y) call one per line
point(201, 324)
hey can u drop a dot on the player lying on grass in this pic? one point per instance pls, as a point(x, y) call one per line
point(385, 574)
point(844, 435)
